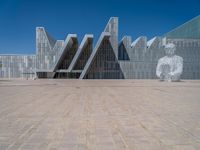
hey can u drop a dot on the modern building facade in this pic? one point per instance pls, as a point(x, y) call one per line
point(108, 59)
point(17, 66)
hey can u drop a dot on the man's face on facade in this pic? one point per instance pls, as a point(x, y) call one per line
point(170, 50)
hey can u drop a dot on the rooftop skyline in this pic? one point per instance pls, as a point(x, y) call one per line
point(19, 19)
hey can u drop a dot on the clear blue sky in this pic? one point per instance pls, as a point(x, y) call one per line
point(19, 18)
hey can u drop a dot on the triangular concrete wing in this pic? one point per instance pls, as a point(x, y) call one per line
point(124, 48)
point(154, 49)
point(112, 28)
point(102, 37)
point(71, 38)
point(85, 41)
point(138, 48)
point(51, 40)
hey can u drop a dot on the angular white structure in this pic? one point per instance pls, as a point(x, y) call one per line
point(108, 59)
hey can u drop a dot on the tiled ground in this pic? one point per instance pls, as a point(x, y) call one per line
point(99, 115)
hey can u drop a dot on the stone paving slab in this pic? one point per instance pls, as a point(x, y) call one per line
point(99, 115)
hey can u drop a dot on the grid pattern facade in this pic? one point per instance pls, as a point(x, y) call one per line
point(108, 59)
point(17, 66)
point(84, 57)
point(190, 51)
point(47, 49)
point(105, 64)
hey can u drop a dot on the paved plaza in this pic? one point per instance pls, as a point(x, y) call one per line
point(99, 115)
